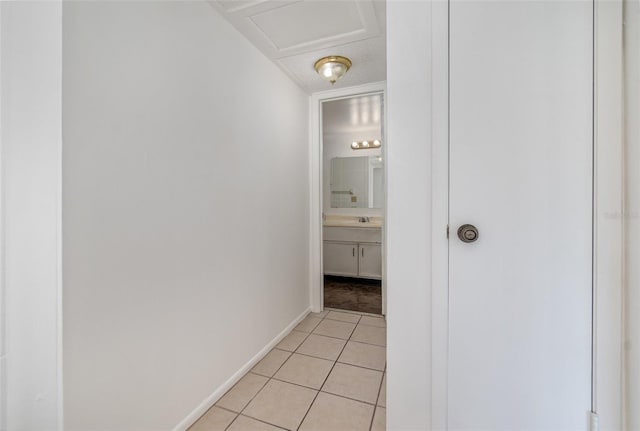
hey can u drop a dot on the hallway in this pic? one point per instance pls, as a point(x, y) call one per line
point(327, 374)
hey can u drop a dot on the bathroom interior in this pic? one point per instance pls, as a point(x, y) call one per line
point(353, 202)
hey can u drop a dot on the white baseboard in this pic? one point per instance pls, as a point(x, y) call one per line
point(220, 391)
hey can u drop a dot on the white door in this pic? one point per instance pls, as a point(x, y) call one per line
point(521, 171)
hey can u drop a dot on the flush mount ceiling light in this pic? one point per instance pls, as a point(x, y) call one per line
point(332, 68)
point(366, 145)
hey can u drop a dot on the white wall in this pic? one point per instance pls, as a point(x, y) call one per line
point(185, 205)
point(408, 155)
point(632, 211)
point(30, 89)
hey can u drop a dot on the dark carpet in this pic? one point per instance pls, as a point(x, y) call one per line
point(355, 294)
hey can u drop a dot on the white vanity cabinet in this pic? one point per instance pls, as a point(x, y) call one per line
point(353, 252)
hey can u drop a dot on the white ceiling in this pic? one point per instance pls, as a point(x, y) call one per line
point(362, 114)
point(295, 33)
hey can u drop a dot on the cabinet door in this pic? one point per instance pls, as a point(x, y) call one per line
point(340, 258)
point(370, 261)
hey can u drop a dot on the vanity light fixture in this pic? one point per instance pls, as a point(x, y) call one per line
point(332, 68)
point(366, 145)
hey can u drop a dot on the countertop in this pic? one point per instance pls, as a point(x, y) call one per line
point(352, 221)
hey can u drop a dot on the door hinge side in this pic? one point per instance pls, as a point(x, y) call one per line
point(593, 423)
point(447, 231)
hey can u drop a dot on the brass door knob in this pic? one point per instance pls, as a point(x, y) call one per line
point(468, 233)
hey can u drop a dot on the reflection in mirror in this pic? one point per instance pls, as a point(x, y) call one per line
point(356, 182)
point(353, 163)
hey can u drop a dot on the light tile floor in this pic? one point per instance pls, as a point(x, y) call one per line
point(328, 374)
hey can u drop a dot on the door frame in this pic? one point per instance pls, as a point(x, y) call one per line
point(608, 220)
point(316, 275)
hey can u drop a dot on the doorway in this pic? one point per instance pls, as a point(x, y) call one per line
point(347, 163)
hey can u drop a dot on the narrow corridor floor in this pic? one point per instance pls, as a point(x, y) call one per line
point(328, 374)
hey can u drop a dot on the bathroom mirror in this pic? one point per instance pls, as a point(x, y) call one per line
point(353, 176)
point(357, 182)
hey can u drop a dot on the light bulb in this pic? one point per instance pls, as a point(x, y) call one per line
point(354, 145)
point(365, 143)
point(376, 143)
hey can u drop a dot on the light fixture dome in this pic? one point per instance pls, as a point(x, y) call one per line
point(333, 67)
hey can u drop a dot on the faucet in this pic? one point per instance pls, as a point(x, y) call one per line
point(363, 219)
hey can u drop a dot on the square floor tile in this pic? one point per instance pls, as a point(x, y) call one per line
point(244, 423)
point(215, 419)
point(308, 324)
point(370, 335)
point(334, 328)
point(322, 347)
point(373, 321)
point(330, 412)
point(239, 396)
point(343, 317)
point(281, 404)
point(364, 355)
point(291, 342)
point(305, 370)
point(358, 383)
point(271, 362)
point(382, 398)
point(379, 420)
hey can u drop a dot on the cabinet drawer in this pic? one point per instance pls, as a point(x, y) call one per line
point(352, 234)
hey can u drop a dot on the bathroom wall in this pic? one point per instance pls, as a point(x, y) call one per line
point(185, 209)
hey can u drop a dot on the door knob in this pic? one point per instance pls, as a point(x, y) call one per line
point(468, 233)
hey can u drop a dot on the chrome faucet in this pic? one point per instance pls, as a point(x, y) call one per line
point(363, 219)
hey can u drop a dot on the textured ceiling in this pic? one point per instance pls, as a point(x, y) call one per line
point(295, 33)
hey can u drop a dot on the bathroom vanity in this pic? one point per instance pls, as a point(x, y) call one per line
point(352, 248)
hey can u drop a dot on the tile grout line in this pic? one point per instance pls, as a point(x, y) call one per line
point(373, 316)
point(324, 382)
point(362, 313)
point(349, 398)
point(336, 361)
point(240, 413)
point(363, 324)
point(255, 419)
point(319, 390)
point(281, 365)
point(349, 339)
point(248, 402)
point(377, 399)
point(384, 375)
point(269, 378)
